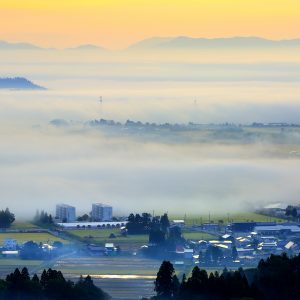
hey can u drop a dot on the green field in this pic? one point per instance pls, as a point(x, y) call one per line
point(101, 236)
point(226, 218)
point(24, 237)
point(22, 225)
point(198, 236)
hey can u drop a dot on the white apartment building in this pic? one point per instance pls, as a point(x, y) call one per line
point(101, 212)
point(65, 213)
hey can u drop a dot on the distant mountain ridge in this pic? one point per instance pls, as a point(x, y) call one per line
point(180, 42)
point(17, 46)
point(198, 43)
point(27, 46)
point(89, 47)
point(19, 83)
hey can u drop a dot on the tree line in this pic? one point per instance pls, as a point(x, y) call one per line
point(292, 211)
point(43, 218)
point(6, 218)
point(51, 285)
point(276, 278)
point(143, 224)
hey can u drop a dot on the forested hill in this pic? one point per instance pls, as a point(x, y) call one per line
point(18, 83)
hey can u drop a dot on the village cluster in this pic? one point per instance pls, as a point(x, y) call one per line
point(232, 244)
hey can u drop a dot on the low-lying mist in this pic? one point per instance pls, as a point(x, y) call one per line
point(41, 165)
point(44, 166)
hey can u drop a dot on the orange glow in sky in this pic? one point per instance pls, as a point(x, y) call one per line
point(118, 23)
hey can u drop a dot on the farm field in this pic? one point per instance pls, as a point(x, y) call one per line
point(23, 225)
point(8, 265)
point(121, 277)
point(105, 265)
point(101, 236)
point(198, 236)
point(24, 237)
point(125, 277)
point(226, 218)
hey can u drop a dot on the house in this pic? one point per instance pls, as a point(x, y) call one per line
point(289, 246)
point(179, 223)
point(242, 227)
point(110, 248)
point(222, 244)
point(242, 252)
point(10, 244)
point(268, 246)
point(227, 237)
point(188, 253)
point(242, 240)
point(278, 229)
point(96, 250)
point(47, 248)
point(202, 245)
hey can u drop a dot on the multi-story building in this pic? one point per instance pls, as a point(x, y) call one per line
point(101, 212)
point(65, 213)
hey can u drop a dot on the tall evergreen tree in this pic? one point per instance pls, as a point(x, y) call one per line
point(164, 283)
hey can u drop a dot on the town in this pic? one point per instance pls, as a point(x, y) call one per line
point(212, 244)
point(225, 243)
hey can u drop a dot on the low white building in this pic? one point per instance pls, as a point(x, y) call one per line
point(179, 223)
point(95, 225)
point(11, 253)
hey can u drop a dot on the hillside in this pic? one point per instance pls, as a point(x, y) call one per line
point(17, 46)
point(19, 83)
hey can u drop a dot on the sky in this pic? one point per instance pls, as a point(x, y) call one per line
point(116, 24)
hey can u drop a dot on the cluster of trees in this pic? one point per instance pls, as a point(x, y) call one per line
point(291, 211)
point(275, 278)
point(43, 218)
point(84, 218)
point(215, 255)
point(228, 285)
point(162, 237)
point(143, 224)
point(159, 229)
point(168, 239)
point(278, 277)
point(6, 218)
point(51, 285)
point(32, 250)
